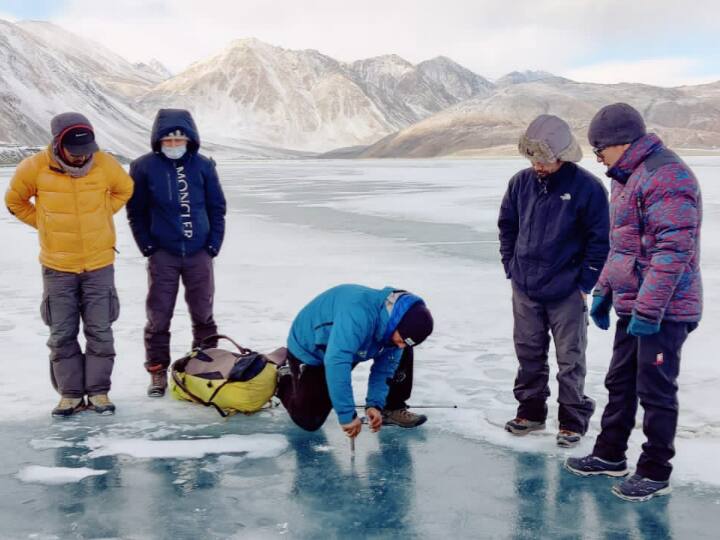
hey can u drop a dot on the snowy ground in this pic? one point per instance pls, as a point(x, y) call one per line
point(296, 228)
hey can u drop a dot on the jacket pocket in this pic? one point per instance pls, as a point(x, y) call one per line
point(45, 313)
point(623, 273)
point(114, 305)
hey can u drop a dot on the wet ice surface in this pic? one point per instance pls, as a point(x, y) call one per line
point(294, 229)
point(403, 483)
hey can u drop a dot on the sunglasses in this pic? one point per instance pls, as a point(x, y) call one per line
point(598, 152)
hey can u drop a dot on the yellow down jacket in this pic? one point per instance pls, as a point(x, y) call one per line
point(73, 216)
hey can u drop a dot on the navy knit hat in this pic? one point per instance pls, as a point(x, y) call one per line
point(416, 324)
point(615, 124)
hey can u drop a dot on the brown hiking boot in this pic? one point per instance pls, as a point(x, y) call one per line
point(522, 426)
point(568, 439)
point(158, 381)
point(101, 404)
point(68, 406)
point(402, 418)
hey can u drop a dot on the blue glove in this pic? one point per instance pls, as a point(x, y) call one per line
point(600, 311)
point(641, 327)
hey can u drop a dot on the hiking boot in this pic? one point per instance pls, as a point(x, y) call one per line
point(101, 404)
point(158, 381)
point(593, 466)
point(567, 439)
point(68, 406)
point(402, 418)
point(639, 489)
point(521, 426)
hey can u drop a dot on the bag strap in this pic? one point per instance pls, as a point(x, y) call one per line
point(216, 337)
point(198, 399)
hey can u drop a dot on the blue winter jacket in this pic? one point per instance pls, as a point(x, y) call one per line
point(179, 205)
point(346, 325)
point(554, 233)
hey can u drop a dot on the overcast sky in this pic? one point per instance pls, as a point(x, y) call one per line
point(664, 42)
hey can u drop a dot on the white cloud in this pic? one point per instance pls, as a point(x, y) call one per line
point(656, 71)
point(492, 37)
point(7, 17)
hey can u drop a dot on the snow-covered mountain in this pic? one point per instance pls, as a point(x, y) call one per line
point(256, 100)
point(686, 118)
point(306, 100)
point(407, 93)
point(109, 70)
point(520, 77)
point(251, 90)
point(154, 68)
point(45, 71)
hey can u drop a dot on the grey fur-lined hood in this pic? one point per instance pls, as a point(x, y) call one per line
point(549, 139)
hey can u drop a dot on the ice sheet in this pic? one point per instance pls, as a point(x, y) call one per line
point(296, 228)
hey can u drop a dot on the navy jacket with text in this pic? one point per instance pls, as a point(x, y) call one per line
point(554, 233)
point(177, 205)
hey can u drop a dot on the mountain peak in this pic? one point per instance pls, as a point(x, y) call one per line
point(250, 43)
point(520, 77)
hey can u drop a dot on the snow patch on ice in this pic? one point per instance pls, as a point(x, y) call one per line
point(322, 448)
point(47, 444)
point(38, 474)
point(254, 446)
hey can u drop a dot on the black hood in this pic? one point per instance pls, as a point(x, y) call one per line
point(168, 120)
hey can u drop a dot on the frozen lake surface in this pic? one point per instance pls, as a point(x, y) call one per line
point(295, 229)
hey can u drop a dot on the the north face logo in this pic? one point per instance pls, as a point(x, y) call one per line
point(566, 196)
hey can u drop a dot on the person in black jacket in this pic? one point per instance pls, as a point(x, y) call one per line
point(177, 216)
point(554, 227)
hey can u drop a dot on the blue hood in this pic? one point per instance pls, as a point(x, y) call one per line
point(168, 120)
point(399, 306)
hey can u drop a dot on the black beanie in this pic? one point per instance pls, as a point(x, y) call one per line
point(615, 124)
point(416, 324)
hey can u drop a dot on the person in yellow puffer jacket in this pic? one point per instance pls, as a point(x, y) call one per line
point(69, 193)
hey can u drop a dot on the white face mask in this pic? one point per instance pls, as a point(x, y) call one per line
point(174, 152)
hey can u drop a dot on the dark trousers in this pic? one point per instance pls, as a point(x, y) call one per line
point(304, 392)
point(165, 271)
point(646, 368)
point(567, 320)
point(67, 298)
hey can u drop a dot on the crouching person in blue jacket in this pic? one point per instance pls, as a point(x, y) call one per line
point(177, 216)
point(343, 326)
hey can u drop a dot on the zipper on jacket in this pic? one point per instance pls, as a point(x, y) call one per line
point(543, 190)
point(77, 213)
point(641, 223)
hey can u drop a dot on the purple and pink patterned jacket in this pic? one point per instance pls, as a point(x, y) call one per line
point(653, 269)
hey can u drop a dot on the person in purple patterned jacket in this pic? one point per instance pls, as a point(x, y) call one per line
point(652, 279)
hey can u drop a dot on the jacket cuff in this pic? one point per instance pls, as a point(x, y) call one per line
point(346, 418)
point(506, 267)
point(645, 318)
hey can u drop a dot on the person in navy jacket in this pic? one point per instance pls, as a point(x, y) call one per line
point(554, 228)
point(177, 217)
point(341, 327)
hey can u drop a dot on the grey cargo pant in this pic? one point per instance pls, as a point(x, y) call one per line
point(567, 320)
point(68, 297)
point(164, 273)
